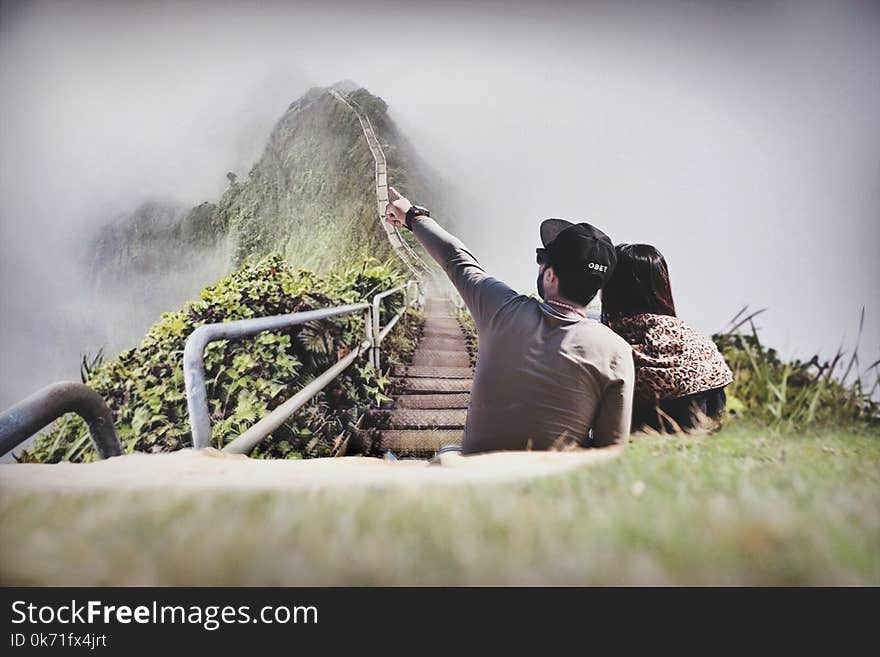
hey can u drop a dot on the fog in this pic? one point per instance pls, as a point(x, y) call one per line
point(742, 139)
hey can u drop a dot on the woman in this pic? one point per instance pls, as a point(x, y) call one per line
point(680, 374)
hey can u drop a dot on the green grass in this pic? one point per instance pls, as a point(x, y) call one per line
point(789, 395)
point(744, 506)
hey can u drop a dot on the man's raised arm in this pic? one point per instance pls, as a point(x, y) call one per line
point(482, 294)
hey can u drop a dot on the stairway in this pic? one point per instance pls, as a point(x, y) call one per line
point(430, 412)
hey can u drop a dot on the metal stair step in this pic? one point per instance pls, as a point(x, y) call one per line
point(442, 331)
point(435, 385)
point(430, 371)
point(443, 344)
point(455, 400)
point(415, 442)
point(427, 357)
point(425, 418)
point(451, 334)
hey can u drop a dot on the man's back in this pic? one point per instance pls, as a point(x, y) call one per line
point(541, 378)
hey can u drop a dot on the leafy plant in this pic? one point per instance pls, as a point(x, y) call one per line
point(247, 378)
point(470, 333)
point(794, 394)
point(89, 364)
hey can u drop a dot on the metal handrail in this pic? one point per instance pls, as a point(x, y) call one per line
point(380, 200)
point(45, 406)
point(252, 437)
point(194, 352)
point(194, 366)
point(379, 333)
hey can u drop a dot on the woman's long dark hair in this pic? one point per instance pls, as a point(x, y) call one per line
point(639, 284)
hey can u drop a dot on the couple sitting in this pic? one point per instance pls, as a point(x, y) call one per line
point(546, 374)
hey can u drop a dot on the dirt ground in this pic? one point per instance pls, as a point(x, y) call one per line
point(210, 469)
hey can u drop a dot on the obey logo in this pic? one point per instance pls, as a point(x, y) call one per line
point(597, 266)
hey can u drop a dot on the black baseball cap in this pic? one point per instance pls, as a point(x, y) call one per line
point(575, 248)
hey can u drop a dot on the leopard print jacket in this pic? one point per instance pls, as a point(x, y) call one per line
point(672, 359)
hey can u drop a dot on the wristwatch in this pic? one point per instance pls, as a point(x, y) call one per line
point(415, 211)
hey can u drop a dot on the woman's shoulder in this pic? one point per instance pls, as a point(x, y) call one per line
point(646, 327)
point(649, 323)
point(663, 336)
point(674, 358)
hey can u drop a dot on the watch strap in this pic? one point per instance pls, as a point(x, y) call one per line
point(415, 211)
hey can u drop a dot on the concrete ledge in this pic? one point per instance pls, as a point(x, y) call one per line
point(211, 470)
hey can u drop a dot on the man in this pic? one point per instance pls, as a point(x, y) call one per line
point(546, 375)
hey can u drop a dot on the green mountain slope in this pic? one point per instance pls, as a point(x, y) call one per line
point(309, 197)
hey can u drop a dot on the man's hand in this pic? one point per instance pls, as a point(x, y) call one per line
point(398, 206)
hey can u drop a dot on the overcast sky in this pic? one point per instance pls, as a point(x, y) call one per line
point(742, 139)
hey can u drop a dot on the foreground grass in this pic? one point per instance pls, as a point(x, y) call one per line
point(740, 507)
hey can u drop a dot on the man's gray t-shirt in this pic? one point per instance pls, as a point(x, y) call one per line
point(542, 379)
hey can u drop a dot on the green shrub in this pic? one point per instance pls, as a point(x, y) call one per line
point(794, 394)
point(470, 333)
point(144, 386)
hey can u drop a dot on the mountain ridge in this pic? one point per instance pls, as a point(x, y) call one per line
point(309, 196)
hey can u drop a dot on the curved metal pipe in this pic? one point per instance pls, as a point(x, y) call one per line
point(194, 356)
point(45, 406)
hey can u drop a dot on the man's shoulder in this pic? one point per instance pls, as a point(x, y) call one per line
point(587, 330)
point(596, 331)
point(602, 350)
point(519, 301)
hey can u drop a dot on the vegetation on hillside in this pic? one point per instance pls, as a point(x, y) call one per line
point(309, 197)
point(247, 378)
point(470, 333)
point(797, 394)
point(126, 248)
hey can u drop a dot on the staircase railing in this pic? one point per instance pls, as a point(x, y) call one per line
point(380, 332)
point(382, 188)
point(194, 366)
point(45, 406)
